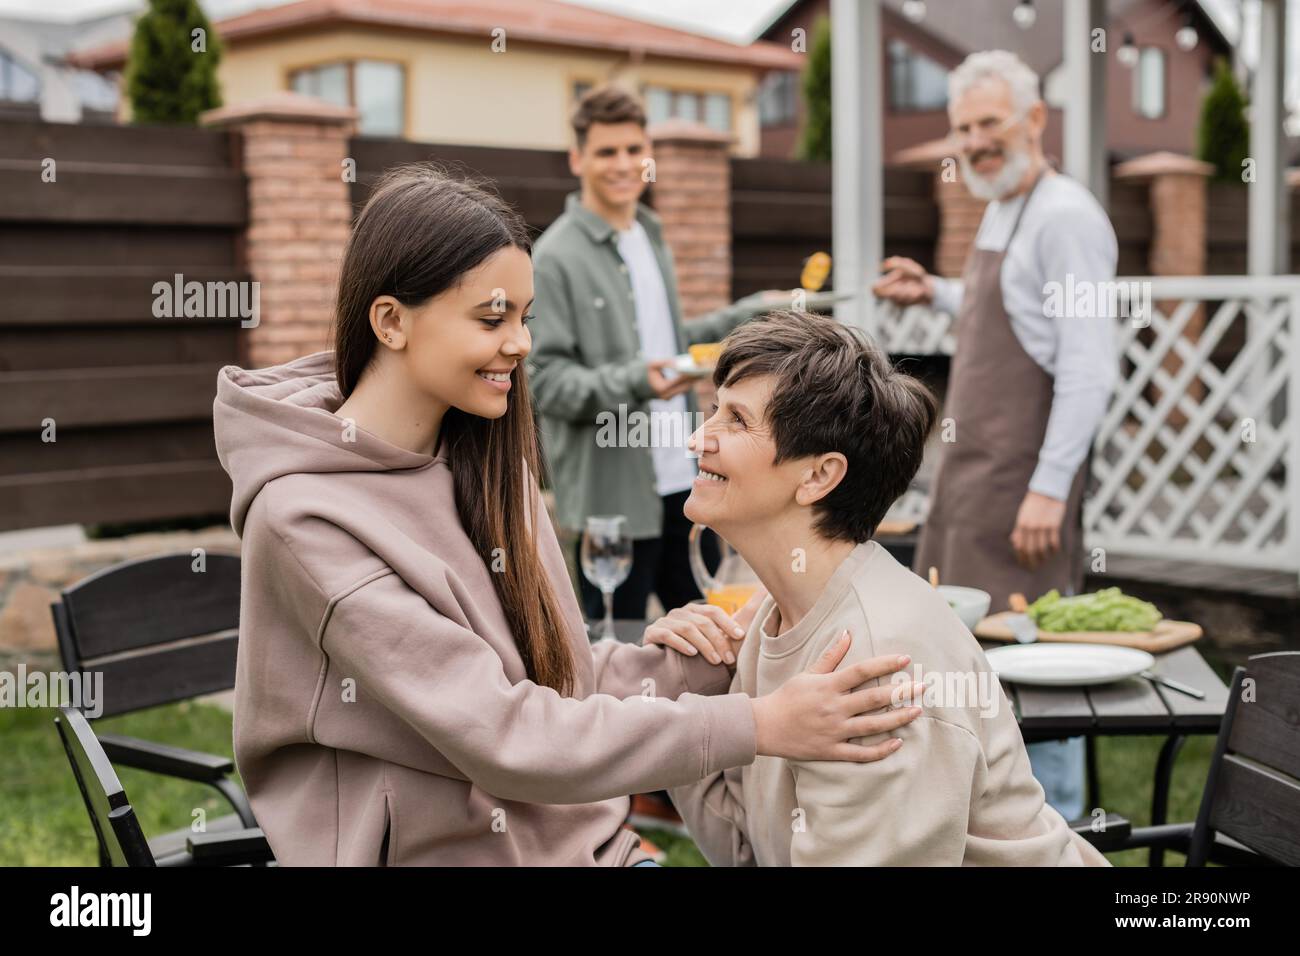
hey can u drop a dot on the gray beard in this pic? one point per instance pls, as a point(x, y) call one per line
point(989, 189)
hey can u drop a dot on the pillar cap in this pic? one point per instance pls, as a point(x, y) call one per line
point(687, 131)
point(925, 155)
point(1163, 163)
point(285, 107)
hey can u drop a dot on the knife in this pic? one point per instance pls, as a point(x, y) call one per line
point(1174, 685)
point(1021, 624)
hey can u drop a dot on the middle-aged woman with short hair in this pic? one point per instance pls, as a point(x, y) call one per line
point(814, 436)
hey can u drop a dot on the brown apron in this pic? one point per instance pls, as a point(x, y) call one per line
point(999, 399)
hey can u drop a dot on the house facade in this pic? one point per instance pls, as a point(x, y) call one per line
point(495, 73)
point(1147, 103)
point(36, 82)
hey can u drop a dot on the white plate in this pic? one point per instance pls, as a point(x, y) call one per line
point(1067, 665)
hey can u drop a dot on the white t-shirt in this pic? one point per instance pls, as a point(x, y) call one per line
point(674, 466)
point(1064, 233)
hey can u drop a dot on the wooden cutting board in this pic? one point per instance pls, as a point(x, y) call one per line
point(1165, 636)
point(895, 528)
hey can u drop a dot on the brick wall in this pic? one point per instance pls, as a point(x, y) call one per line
point(294, 149)
point(692, 195)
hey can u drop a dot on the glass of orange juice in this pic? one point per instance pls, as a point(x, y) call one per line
point(731, 597)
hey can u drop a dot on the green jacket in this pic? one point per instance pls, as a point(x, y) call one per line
point(586, 359)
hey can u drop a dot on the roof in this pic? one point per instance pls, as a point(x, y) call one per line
point(536, 21)
point(971, 25)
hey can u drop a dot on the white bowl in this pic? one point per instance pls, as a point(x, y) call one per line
point(970, 604)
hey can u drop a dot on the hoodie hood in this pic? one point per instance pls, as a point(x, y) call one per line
point(276, 421)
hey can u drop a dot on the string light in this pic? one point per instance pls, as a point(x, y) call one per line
point(1024, 14)
point(1186, 37)
point(1128, 52)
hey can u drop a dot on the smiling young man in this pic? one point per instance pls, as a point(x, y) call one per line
point(814, 436)
point(608, 328)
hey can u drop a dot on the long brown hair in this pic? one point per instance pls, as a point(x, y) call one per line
point(420, 232)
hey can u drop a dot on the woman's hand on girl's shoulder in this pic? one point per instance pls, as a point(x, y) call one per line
point(699, 629)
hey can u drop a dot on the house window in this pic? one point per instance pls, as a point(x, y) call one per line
point(916, 82)
point(712, 109)
point(1149, 83)
point(376, 88)
point(777, 99)
point(98, 93)
point(717, 112)
point(17, 83)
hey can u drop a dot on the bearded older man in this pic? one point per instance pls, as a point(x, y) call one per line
point(1030, 380)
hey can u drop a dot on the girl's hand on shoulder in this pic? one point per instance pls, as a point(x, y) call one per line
point(699, 629)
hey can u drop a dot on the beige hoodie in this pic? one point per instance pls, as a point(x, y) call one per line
point(382, 716)
point(959, 790)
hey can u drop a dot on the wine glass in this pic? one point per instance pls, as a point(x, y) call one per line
point(606, 559)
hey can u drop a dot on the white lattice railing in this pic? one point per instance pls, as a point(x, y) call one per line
point(916, 330)
point(1198, 457)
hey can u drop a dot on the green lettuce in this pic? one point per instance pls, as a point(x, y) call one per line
point(1109, 609)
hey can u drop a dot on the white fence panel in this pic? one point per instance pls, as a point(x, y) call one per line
point(1198, 456)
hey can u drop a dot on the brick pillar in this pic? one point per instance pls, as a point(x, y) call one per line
point(1177, 200)
point(960, 215)
point(959, 212)
point(1177, 197)
point(692, 195)
point(299, 216)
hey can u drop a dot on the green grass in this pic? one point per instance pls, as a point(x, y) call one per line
point(1127, 767)
point(42, 819)
point(43, 822)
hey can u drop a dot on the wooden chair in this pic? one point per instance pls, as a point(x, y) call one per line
point(159, 632)
point(1250, 809)
point(122, 842)
point(1112, 838)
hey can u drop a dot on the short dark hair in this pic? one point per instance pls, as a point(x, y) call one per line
point(836, 392)
point(605, 104)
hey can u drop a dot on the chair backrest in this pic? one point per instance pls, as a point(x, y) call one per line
point(1253, 791)
point(159, 630)
point(121, 840)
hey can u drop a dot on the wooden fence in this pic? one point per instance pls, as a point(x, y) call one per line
point(91, 217)
point(1130, 215)
point(781, 214)
point(1228, 223)
point(780, 209)
point(534, 181)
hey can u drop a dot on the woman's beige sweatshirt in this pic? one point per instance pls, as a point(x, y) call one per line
point(958, 792)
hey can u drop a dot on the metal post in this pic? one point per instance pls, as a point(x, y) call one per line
point(857, 183)
point(1267, 252)
point(1085, 106)
point(1268, 246)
